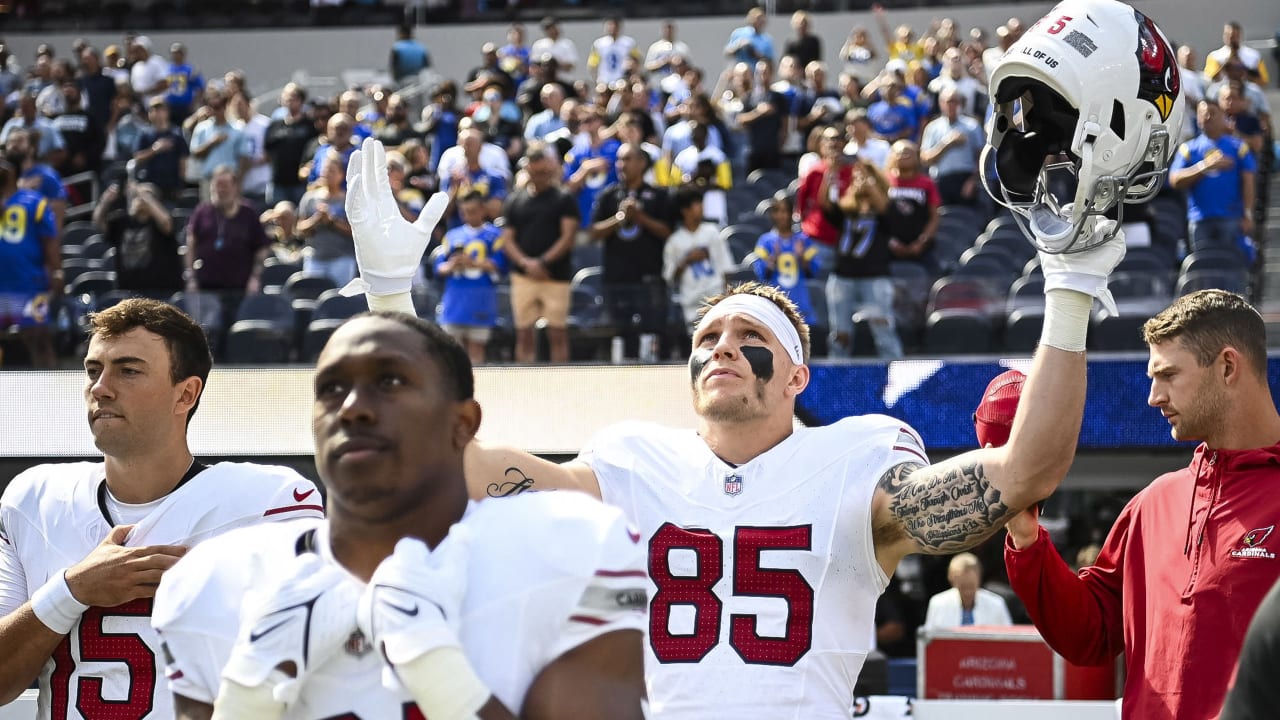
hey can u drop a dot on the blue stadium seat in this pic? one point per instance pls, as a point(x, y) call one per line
point(1022, 329)
point(957, 331)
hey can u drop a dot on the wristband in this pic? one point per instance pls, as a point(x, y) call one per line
point(236, 701)
point(55, 606)
point(443, 684)
point(1066, 319)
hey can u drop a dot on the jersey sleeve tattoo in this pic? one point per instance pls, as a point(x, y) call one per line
point(943, 508)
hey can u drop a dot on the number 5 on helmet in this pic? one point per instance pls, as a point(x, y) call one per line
point(1095, 80)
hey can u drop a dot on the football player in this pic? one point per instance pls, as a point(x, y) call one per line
point(768, 545)
point(83, 545)
point(409, 601)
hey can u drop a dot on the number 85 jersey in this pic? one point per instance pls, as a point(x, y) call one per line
point(764, 576)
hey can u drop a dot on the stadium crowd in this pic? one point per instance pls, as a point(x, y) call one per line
point(596, 193)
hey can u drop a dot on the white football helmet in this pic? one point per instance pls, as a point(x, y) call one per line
point(1095, 80)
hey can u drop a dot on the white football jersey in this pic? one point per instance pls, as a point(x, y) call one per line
point(546, 573)
point(610, 57)
point(52, 516)
point(764, 576)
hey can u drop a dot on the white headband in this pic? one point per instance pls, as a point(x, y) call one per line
point(766, 313)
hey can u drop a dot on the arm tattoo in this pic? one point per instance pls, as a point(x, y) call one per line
point(945, 509)
point(516, 483)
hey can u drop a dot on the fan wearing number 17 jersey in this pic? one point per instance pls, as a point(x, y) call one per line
point(83, 545)
point(768, 545)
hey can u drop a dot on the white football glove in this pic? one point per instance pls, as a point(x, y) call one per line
point(1087, 271)
point(413, 602)
point(388, 248)
point(304, 620)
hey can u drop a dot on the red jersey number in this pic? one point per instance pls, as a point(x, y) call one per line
point(100, 646)
point(749, 580)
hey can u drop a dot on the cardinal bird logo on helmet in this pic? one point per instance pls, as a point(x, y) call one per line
point(1159, 79)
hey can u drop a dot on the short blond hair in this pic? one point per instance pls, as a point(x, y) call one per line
point(773, 294)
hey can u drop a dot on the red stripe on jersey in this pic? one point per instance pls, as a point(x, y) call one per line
point(174, 675)
point(587, 619)
point(291, 508)
point(621, 573)
point(913, 451)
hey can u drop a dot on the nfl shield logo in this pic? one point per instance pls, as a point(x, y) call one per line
point(732, 484)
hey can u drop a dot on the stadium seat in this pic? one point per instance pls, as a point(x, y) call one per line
point(317, 334)
point(1016, 246)
point(821, 318)
point(258, 342)
point(770, 180)
point(741, 239)
point(426, 301)
point(1139, 285)
point(73, 268)
point(1117, 332)
point(1003, 220)
point(92, 282)
point(589, 277)
point(589, 328)
point(307, 286)
point(1231, 280)
point(94, 247)
point(587, 254)
point(333, 305)
point(270, 308)
point(111, 298)
point(1224, 259)
point(1032, 268)
point(992, 255)
point(957, 331)
point(276, 274)
point(1147, 260)
point(951, 293)
point(1022, 328)
point(75, 233)
point(1026, 292)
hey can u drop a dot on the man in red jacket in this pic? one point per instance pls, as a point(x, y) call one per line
point(1192, 555)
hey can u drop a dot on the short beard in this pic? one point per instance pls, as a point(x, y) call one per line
point(730, 410)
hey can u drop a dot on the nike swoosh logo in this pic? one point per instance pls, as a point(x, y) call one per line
point(256, 636)
point(411, 612)
point(300, 496)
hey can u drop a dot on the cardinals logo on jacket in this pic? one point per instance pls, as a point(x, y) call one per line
point(1251, 544)
point(1159, 78)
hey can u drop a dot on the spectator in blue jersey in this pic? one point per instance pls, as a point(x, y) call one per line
point(893, 117)
point(322, 220)
point(750, 42)
point(513, 57)
point(471, 261)
point(408, 56)
point(1216, 170)
point(186, 86)
point(591, 167)
point(19, 150)
point(161, 155)
point(440, 121)
point(786, 258)
point(30, 265)
point(339, 135)
point(470, 176)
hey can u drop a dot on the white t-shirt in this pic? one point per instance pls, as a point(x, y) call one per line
point(144, 75)
point(547, 572)
point(492, 158)
point(764, 575)
point(703, 278)
point(255, 133)
point(563, 50)
point(50, 519)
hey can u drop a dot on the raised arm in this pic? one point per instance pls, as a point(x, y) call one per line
point(954, 505)
point(499, 471)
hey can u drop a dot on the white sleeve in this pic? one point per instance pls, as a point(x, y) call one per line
point(193, 663)
point(196, 625)
point(720, 257)
point(13, 579)
point(615, 597)
point(670, 259)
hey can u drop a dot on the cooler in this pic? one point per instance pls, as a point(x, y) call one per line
point(1006, 662)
